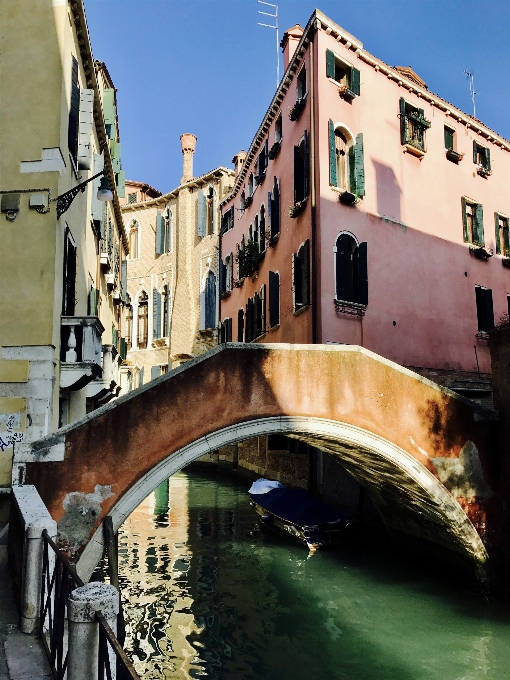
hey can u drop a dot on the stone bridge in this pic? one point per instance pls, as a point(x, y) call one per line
point(424, 454)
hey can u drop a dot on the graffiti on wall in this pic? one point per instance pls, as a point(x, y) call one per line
point(10, 430)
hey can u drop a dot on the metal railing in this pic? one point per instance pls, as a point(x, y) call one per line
point(58, 581)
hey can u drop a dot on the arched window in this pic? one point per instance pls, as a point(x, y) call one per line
point(143, 320)
point(210, 301)
point(166, 311)
point(351, 270)
point(133, 242)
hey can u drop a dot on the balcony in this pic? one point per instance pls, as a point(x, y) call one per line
point(107, 386)
point(80, 351)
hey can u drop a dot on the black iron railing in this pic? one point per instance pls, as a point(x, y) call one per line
point(57, 584)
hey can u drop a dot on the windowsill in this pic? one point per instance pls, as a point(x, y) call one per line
point(480, 252)
point(302, 309)
point(413, 150)
point(482, 335)
point(483, 172)
point(226, 294)
point(454, 156)
point(273, 328)
point(259, 337)
point(273, 240)
point(346, 307)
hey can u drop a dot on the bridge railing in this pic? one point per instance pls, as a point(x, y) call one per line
point(59, 580)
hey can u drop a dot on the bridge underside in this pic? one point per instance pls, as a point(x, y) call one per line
point(421, 452)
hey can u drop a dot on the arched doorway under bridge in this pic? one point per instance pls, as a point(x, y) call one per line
point(420, 451)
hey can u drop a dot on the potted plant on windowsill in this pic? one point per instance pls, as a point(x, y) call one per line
point(454, 156)
point(346, 93)
point(419, 119)
point(348, 198)
point(274, 150)
point(481, 252)
point(298, 208)
point(260, 178)
point(248, 201)
point(247, 259)
point(298, 107)
point(483, 171)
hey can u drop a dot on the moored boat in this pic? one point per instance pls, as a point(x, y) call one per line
point(299, 514)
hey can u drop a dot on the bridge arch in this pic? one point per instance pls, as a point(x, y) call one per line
point(394, 431)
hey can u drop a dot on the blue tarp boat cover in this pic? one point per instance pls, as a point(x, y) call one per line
point(294, 505)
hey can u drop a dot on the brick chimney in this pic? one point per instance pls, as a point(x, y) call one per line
point(188, 143)
point(289, 42)
point(238, 161)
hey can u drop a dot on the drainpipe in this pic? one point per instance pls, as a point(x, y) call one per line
point(315, 256)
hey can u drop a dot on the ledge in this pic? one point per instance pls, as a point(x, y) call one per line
point(300, 310)
point(353, 308)
point(413, 150)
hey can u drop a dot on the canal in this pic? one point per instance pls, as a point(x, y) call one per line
point(210, 595)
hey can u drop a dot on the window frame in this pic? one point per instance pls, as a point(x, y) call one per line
point(349, 84)
point(502, 239)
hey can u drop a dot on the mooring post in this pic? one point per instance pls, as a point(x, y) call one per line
point(82, 605)
point(111, 540)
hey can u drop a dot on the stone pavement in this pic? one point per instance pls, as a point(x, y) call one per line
point(21, 656)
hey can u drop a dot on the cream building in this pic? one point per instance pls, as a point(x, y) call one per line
point(63, 251)
point(173, 303)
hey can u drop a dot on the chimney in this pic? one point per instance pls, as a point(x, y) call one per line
point(289, 42)
point(188, 143)
point(238, 161)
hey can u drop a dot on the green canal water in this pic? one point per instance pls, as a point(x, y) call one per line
point(211, 595)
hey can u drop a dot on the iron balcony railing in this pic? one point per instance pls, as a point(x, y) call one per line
point(59, 579)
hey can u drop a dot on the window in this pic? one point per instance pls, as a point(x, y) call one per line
point(169, 219)
point(262, 163)
point(351, 269)
point(132, 198)
point(259, 310)
point(301, 84)
point(227, 221)
point(156, 314)
point(210, 205)
point(502, 235)
point(274, 299)
point(240, 325)
point(201, 213)
point(273, 209)
point(482, 158)
point(133, 242)
point(262, 229)
point(249, 321)
point(301, 276)
point(69, 272)
point(209, 300)
point(346, 161)
point(243, 200)
point(226, 275)
point(449, 138)
point(155, 372)
point(226, 331)
point(344, 74)
point(129, 326)
point(165, 304)
point(250, 185)
point(278, 129)
point(413, 126)
point(301, 170)
point(74, 112)
point(143, 320)
point(484, 308)
point(472, 215)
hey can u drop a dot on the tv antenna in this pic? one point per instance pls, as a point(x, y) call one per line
point(275, 17)
point(472, 92)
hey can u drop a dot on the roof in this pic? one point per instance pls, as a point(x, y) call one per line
point(403, 76)
point(196, 181)
point(146, 188)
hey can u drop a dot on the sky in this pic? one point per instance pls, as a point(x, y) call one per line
point(206, 67)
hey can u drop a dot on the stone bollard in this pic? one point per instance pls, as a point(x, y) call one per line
point(83, 654)
point(32, 576)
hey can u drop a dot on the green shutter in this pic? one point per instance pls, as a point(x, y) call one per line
point(359, 166)
point(330, 64)
point(123, 280)
point(121, 184)
point(355, 81)
point(506, 239)
point(498, 239)
point(475, 152)
point(403, 121)
point(352, 169)
point(109, 112)
point(156, 314)
point(115, 154)
point(155, 372)
point(479, 235)
point(201, 213)
point(123, 349)
point(160, 234)
point(487, 159)
point(333, 180)
point(464, 221)
point(93, 300)
point(305, 264)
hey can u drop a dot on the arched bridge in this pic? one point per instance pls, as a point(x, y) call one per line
point(421, 452)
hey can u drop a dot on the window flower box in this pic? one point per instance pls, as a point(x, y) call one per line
point(260, 178)
point(483, 171)
point(225, 294)
point(506, 261)
point(274, 150)
point(298, 208)
point(273, 240)
point(480, 252)
point(298, 107)
point(346, 93)
point(454, 156)
point(347, 198)
point(248, 201)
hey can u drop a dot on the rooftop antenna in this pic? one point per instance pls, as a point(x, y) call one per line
point(275, 17)
point(472, 92)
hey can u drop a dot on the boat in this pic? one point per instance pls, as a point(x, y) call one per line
point(299, 514)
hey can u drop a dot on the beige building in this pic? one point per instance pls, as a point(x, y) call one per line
point(63, 249)
point(173, 304)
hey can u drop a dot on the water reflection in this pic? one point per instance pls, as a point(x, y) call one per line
point(211, 596)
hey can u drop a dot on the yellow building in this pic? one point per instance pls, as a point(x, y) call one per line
point(173, 303)
point(63, 250)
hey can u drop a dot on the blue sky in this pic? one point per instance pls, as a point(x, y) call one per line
point(206, 67)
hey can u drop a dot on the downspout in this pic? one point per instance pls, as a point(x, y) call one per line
point(314, 258)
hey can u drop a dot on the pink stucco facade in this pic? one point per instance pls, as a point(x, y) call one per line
point(422, 274)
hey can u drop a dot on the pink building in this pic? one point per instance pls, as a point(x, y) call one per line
point(367, 211)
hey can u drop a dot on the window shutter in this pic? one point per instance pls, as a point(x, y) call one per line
point(229, 330)
point(330, 64)
point(274, 299)
point(214, 208)
point(487, 159)
point(168, 231)
point(85, 119)
point(123, 280)
point(240, 326)
point(201, 213)
point(121, 184)
point(298, 175)
point(92, 301)
point(343, 269)
point(352, 169)
point(506, 240)
point(74, 111)
point(160, 233)
point(359, 166)
point(275, 209)
point(355, 81)
point(141, 377)
point(488, 309)
point(97, 206)
point(464, 220)
point(297, 282)
point(403, 121)
point(223, 332)
point(155, 372)
point(202, 310)
point(305, 268)
point(332, 155)
point(156, 314)
point(249, 321)
point(306, 165)
point(115, 152)
point(498, 235)
point(479, 235)
point(362, 274)
point(475, 152)
point(263, 307)
point(223, 277)
point(109, 112)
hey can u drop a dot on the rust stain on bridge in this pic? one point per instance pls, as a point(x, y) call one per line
point(326, 390)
